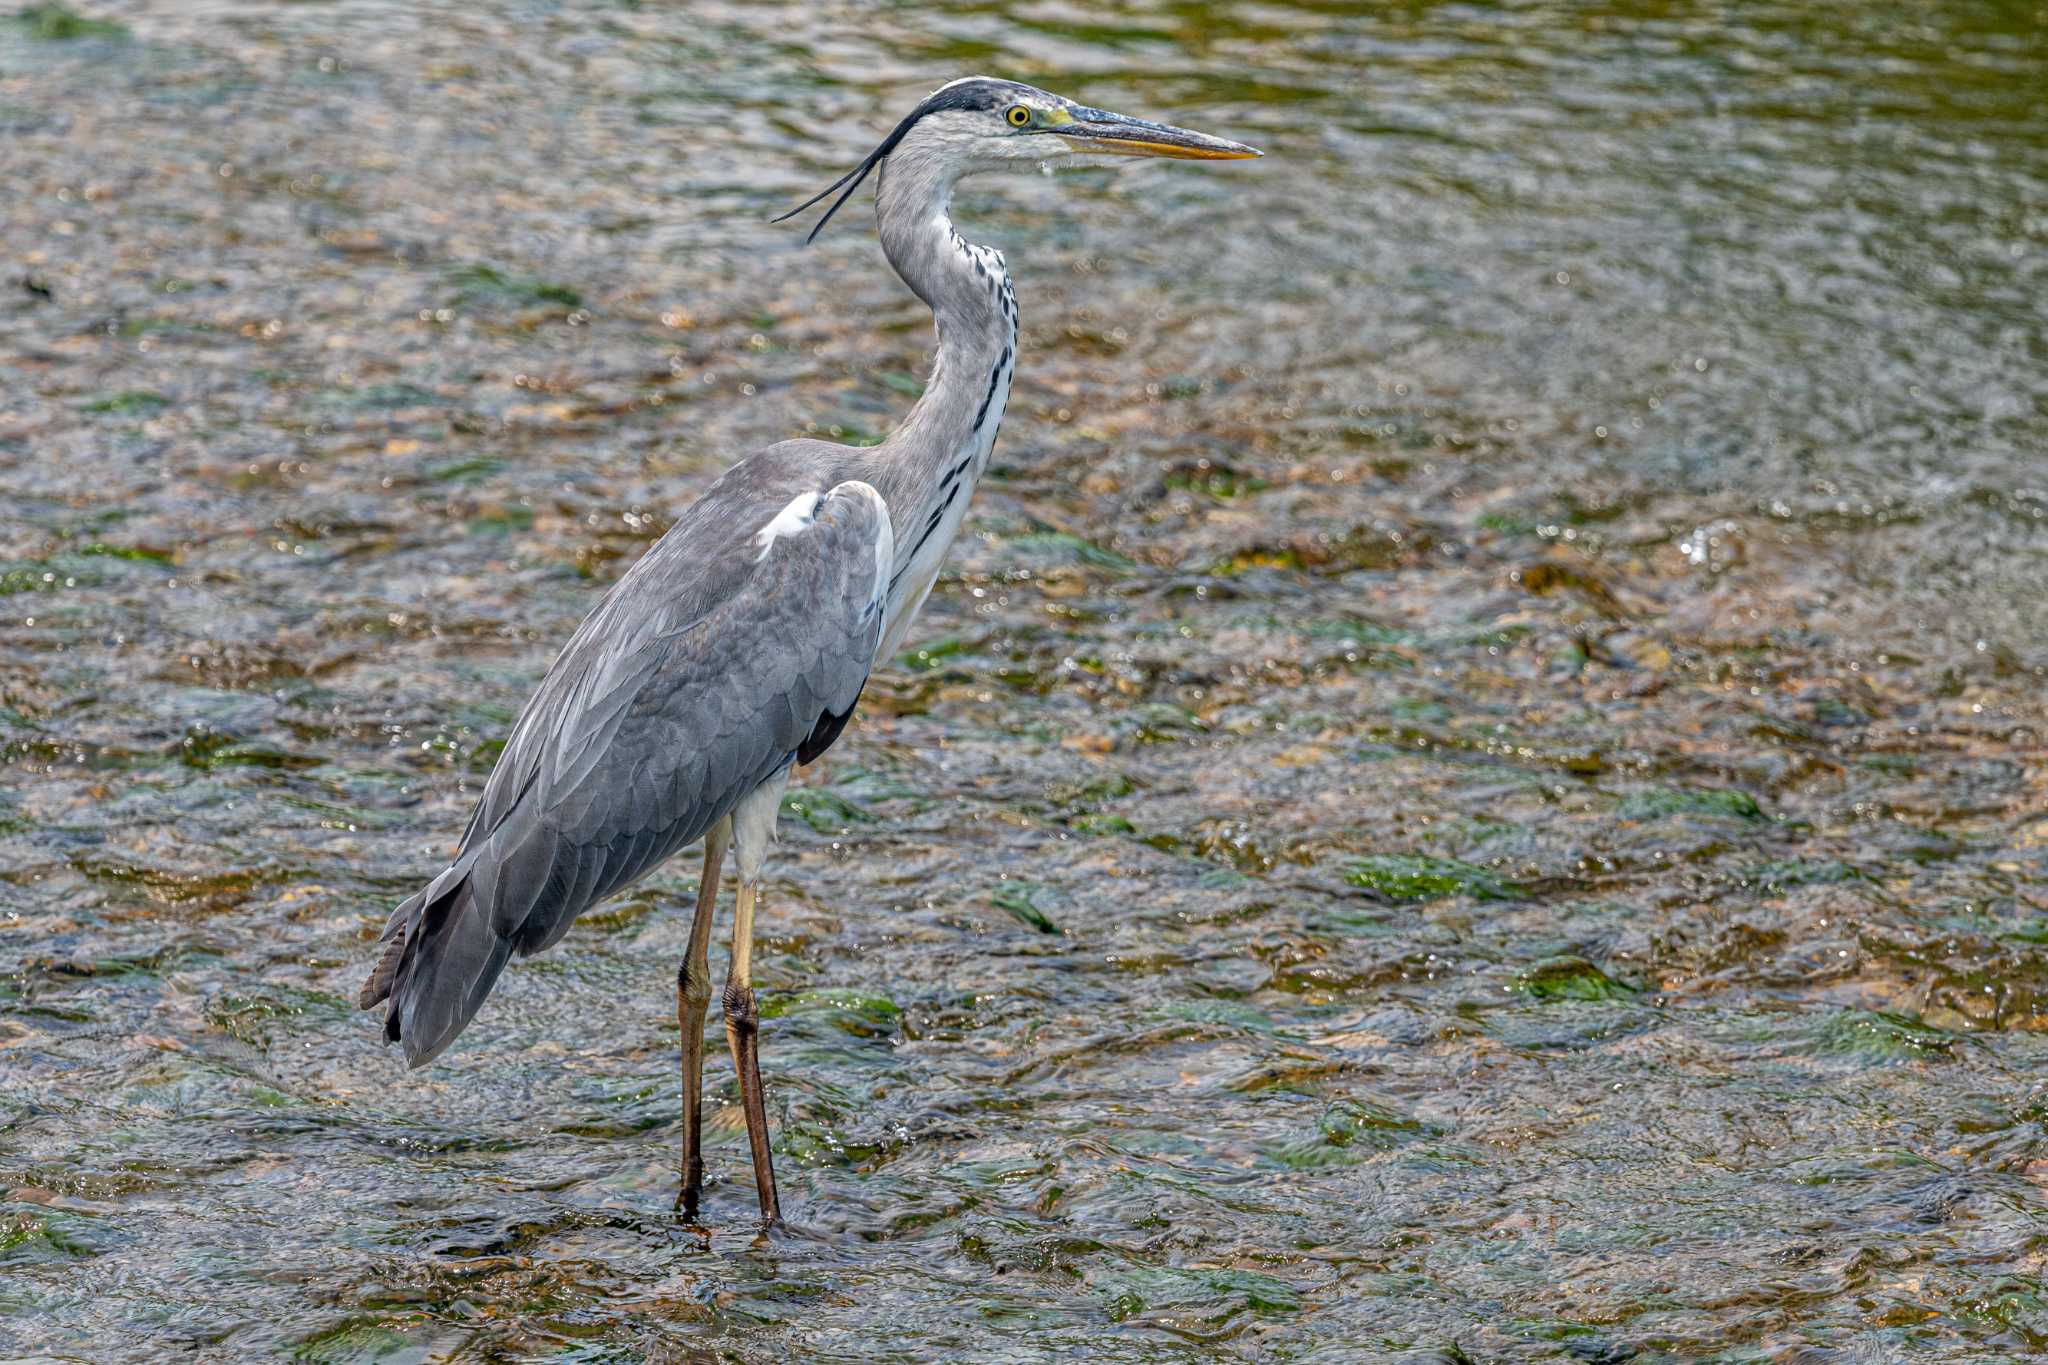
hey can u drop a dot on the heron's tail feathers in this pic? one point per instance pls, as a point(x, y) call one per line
point(442, 955)
point(397, 934)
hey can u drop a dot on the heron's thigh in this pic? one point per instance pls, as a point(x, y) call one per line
point(753, 826)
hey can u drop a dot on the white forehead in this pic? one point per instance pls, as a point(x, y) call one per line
point(1023, 93)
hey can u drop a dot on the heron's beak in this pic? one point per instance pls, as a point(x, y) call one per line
point(1107, 134)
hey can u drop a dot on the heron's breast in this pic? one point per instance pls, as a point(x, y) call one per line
point(923, 540)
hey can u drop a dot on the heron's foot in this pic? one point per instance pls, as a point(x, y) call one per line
point(770, 1229)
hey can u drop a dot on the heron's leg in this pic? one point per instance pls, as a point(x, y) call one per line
point(743, 1031)
point(693, 996)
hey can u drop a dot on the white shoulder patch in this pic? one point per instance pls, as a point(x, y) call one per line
point(788, 522)
point(885, 537)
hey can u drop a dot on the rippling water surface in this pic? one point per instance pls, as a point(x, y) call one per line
point(1475, 791)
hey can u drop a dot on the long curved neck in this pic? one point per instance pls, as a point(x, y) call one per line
point(927, 468)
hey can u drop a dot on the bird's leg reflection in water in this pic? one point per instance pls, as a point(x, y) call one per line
point(693, 997)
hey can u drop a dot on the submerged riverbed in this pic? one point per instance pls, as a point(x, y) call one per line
point(1474, 790)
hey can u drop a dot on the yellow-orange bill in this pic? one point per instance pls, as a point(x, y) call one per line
point(1098, 130)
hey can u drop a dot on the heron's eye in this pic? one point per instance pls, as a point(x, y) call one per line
point(1018, 116)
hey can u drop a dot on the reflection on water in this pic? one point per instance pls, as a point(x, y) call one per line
point(1479, 786)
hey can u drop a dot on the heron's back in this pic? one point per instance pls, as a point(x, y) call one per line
point(741, 638)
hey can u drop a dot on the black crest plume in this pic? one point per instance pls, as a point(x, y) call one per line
point(972, 94)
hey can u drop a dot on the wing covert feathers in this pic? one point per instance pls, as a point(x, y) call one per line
point(712, 665)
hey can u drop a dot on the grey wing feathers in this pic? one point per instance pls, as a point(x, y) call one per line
point(746, 633)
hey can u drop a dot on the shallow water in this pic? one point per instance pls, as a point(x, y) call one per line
point(1474, 792)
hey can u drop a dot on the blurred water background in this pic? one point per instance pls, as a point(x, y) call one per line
point(1474, 791)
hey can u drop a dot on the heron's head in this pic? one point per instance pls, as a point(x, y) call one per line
point(981, 123)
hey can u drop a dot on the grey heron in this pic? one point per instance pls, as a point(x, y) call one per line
point(739, 644)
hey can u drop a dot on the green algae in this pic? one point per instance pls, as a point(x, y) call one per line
point(1410, 877)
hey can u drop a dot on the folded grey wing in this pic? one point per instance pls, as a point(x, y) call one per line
point(661, 735)
point(744, 635)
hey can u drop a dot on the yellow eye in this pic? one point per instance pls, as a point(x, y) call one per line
point(1018, 116)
